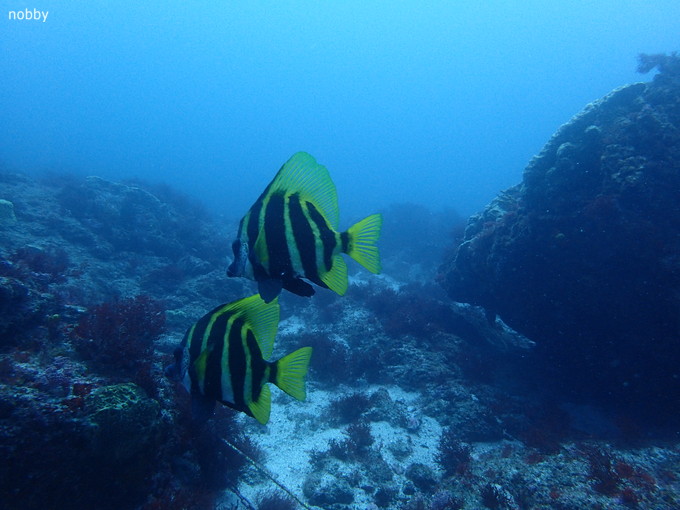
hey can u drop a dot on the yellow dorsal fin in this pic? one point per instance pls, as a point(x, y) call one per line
point(262, 317)
point(336, 278)
point(262, 407)
point(302, 174)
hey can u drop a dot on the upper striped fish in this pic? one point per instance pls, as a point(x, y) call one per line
point(290, 233)
point(222, 358)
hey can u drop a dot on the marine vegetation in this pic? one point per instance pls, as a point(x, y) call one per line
point(117, 337)
point(275, 501)
point(291, 233)
point(454, 455)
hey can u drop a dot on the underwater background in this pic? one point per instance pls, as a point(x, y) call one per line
point(520, 348)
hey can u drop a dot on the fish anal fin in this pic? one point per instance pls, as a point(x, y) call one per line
point(261, 408)
point(299, 287)
point(336, 278)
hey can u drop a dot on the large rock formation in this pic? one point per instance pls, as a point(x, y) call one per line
point(584, 255)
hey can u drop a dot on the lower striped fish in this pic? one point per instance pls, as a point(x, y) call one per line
point(222, 358)
point(291, 232)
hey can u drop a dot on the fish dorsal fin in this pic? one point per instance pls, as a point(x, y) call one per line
point(302, 174)
point(263, 319)
point(261, 408)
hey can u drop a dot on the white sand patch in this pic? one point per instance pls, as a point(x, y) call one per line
point(363, 279)
point(289, 439)
point(291, 326)
point(297, 429)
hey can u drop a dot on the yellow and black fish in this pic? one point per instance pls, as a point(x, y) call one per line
point(222, 358)
point(290, 233)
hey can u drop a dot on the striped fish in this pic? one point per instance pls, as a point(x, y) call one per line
point(222, 358)
point(291, 233)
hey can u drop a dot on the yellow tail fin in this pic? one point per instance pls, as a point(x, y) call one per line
point(363, 242)
point(291, 371)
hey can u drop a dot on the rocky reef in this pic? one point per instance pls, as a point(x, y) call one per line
point(414, 401)
point(86, 324)
point(583, 256)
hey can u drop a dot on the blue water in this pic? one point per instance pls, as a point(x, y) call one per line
point(437, 103)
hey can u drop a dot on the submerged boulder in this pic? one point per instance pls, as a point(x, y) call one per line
point(583, 256)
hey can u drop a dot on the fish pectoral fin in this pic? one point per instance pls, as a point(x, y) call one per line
point(298, 287)
point(336, 278)
point(200, 364)
point(261, 408)
point(291, 371)
point(269, 289)
point(260, 248)
point(202, 408)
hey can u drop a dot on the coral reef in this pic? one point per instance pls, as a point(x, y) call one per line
point(95, 456)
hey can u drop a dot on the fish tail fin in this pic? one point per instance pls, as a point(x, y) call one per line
point(362, 244)
point(291, 371)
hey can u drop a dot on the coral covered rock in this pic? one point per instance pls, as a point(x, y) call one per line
point(583, 255)
point(127, 423)
point(98, 458)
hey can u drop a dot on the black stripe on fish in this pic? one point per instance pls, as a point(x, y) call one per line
point(237, 362)
point(275, 235)
point(252, 231)
point(257, 365)
point(194, 339)
point(327, 240)
point(212, 383)
point(304, 237)
point(344, 238)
